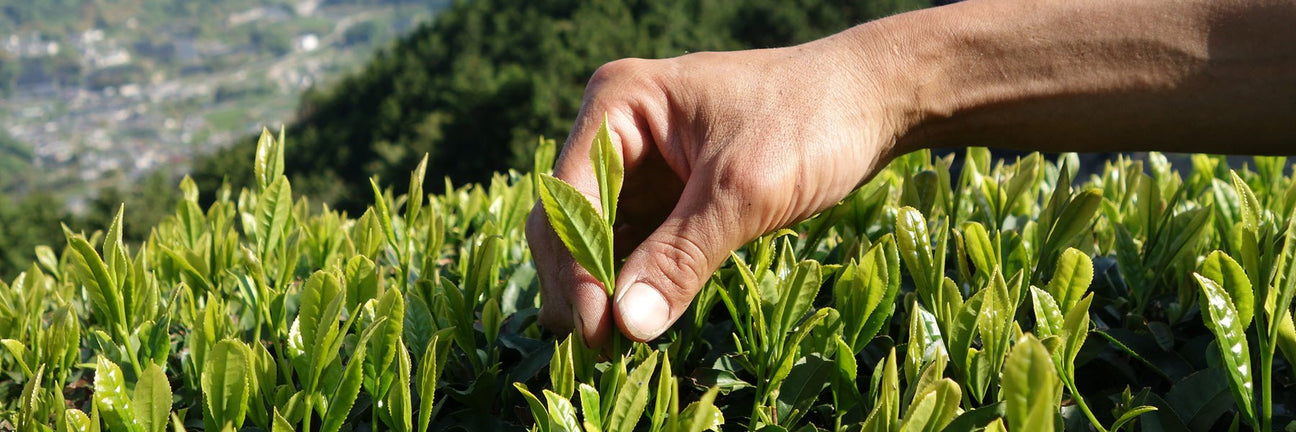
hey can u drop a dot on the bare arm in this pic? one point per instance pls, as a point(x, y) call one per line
point(1093, 75)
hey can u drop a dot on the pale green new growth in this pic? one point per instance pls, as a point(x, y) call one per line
point(586, 234)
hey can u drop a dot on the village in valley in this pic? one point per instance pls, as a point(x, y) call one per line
point(106, 103)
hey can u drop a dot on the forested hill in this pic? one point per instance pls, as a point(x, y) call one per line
point(479, 85)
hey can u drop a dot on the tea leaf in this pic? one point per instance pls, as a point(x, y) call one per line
point(1030, 384)
point(795, 298)
point(269, 162)
point(344, 396)
point(1228, 275)
point(541, 416)
point(225, 384)
point(587, 236)
point(590, 406)
point(430, 367)
point(702, 415)
point(1071, 278)
point(608, 171)
point(1129, 416)
point(562, 415)
point(562, 373)
point(632, 397)
point(153, 399)
point(1074, 218)
point(398, 398)
point(934, 409)
point(1222, 319)
point(1048, 317)
point(886, 413)
point(915, 248)
point(1075, 329)
point(274, 209)
point(111, 398)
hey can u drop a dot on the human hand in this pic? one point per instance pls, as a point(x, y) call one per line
point(719, 148)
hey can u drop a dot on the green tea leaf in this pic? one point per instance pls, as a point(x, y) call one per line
point(274, 210)
point(73, 420)
point(1030, 385)
point(590, 406)
point(586, 234)
point(1129, 416)
point(538, 411)
point(110, 397)
point(105, 296)
point(414, 199)
point(1074, 218)
point(632, 397)
point(979, 248)
point(153, 399)
point(344, 396)
point(399, 406)
point(1071, 278)
point(608, 171)
point(562, 373)
point(934, 409)
point(1226, 273)
point(1249, 205)
point(915, 249)
point(225, 384)
point(702, 415)
point(886, 411)
point(390, 311)
point(1048, 317)
point(430, 367)
point(1222, 319)
point(1075, 329)
point(865, 293)
point(269, 162)
point(795, 297)
point(281, 424)
point(562, 415)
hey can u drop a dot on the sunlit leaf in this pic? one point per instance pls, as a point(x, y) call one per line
point(584, 232)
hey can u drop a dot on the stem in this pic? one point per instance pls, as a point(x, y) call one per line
point(310, 406)
point(1266, 388)
point(756, 405)
point(1079, 400)
point(130, 352)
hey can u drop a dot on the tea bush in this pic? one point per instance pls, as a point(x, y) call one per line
point(999, 297)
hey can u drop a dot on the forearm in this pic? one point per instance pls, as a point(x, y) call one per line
point(1092, 75)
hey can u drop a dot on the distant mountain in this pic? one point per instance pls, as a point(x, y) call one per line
point(476, 87)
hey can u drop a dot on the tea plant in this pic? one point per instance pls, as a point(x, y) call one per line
point(994, 295)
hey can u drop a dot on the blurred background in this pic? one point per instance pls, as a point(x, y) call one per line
point(111, 101)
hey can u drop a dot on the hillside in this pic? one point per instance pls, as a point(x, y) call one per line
point(476, 87)
point(108, 91)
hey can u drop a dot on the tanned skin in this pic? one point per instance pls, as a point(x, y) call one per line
point(720, 148)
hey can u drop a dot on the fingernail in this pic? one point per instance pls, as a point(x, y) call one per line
point(643, 311)
point(578, 327)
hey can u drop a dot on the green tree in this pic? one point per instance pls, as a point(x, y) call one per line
point(479, 84)
point(24, 224)
point(15, 161)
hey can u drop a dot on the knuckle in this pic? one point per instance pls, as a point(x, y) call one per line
point(683, 263)
point(617, 69)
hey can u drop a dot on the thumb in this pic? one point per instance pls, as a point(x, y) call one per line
point(663, 274)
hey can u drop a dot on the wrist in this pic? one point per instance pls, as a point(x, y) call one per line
point(892, 67)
